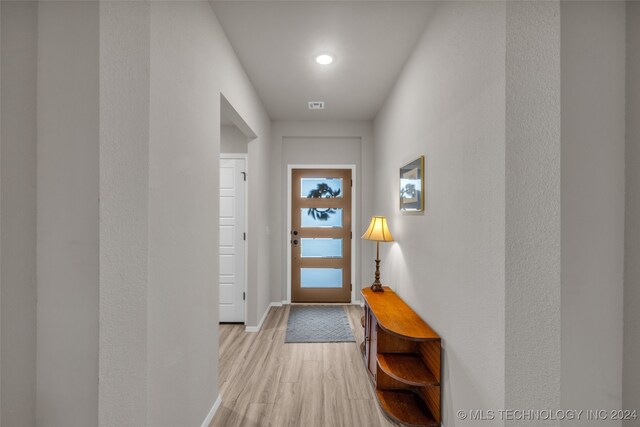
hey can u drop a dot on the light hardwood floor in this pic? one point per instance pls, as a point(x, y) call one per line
point(265, 382)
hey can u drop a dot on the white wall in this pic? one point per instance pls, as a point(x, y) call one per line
point(631, 367)
point(128, 108)
point(592, 203)
point(532, 280)
point(544, 189)
point(320, 143)
point(18, 218)
point(128, 114)
point(124, 186)
point(68, 214)
point(448, 263)
point(232, 140)
point(192, 63)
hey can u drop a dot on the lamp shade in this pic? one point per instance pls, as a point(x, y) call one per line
point(378, 230)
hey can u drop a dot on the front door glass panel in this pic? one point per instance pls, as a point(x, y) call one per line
point(320, 188)
point(321, 217)
point(320, 248)
point(321, 277)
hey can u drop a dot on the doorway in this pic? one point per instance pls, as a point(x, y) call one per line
point(232, 237)
point(233, 288)
point(321, 235)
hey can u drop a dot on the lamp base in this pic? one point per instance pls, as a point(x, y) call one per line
point(377, 287)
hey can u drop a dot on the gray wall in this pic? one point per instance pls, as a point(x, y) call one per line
point(532, 280)
point(497, 187)
point(124, 186)
point(192, 63)
point(448, 263)
point(127, 205)
point(68, 214)
point(232, 140)
point(592, 206)
point(18, 217)
point(631, 368)
point(183, 209)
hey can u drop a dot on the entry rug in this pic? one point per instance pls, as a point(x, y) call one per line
point(318, 323)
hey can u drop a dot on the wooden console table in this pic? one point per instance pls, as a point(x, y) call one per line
point(402, 354)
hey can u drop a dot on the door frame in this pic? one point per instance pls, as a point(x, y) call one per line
point(245, 157)
point(354, 214)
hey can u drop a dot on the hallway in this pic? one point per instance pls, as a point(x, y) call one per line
point(518, 242)
point(265, 382)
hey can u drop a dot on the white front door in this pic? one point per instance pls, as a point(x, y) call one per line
point(232, 239)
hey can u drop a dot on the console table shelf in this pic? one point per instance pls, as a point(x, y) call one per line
point(402, 354)
point(407, 368)
point(405, 407)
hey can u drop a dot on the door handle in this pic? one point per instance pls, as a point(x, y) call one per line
point(295, 242)
point(294, 232)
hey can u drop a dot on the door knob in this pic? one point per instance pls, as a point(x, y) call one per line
point(295, 242)
point(294, 232)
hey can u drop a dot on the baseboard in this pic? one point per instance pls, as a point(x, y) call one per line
point(264, 316)
point(257, 328)
point(280, 304)
point(212, 412)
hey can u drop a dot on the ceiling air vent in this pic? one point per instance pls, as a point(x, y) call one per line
point(316, 105)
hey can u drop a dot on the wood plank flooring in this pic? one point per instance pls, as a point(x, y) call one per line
point(265, 382)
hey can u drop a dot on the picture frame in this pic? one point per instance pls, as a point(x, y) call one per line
point(412, 186)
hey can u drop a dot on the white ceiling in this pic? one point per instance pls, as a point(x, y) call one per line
point(277, 42)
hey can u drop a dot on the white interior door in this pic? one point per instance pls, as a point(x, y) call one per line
point(232, 239)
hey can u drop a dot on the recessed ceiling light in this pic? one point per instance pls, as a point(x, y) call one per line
point(324, 59)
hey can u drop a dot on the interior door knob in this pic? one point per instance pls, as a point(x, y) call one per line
point(295, 242)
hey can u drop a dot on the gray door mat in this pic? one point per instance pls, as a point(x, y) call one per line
point(318, 323)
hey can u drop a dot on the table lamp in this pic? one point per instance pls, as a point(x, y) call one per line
point(378, 231)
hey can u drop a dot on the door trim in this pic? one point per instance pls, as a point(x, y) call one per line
point(245, 157)
point(354, 214)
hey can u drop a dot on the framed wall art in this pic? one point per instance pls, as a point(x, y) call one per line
point(412, 186)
